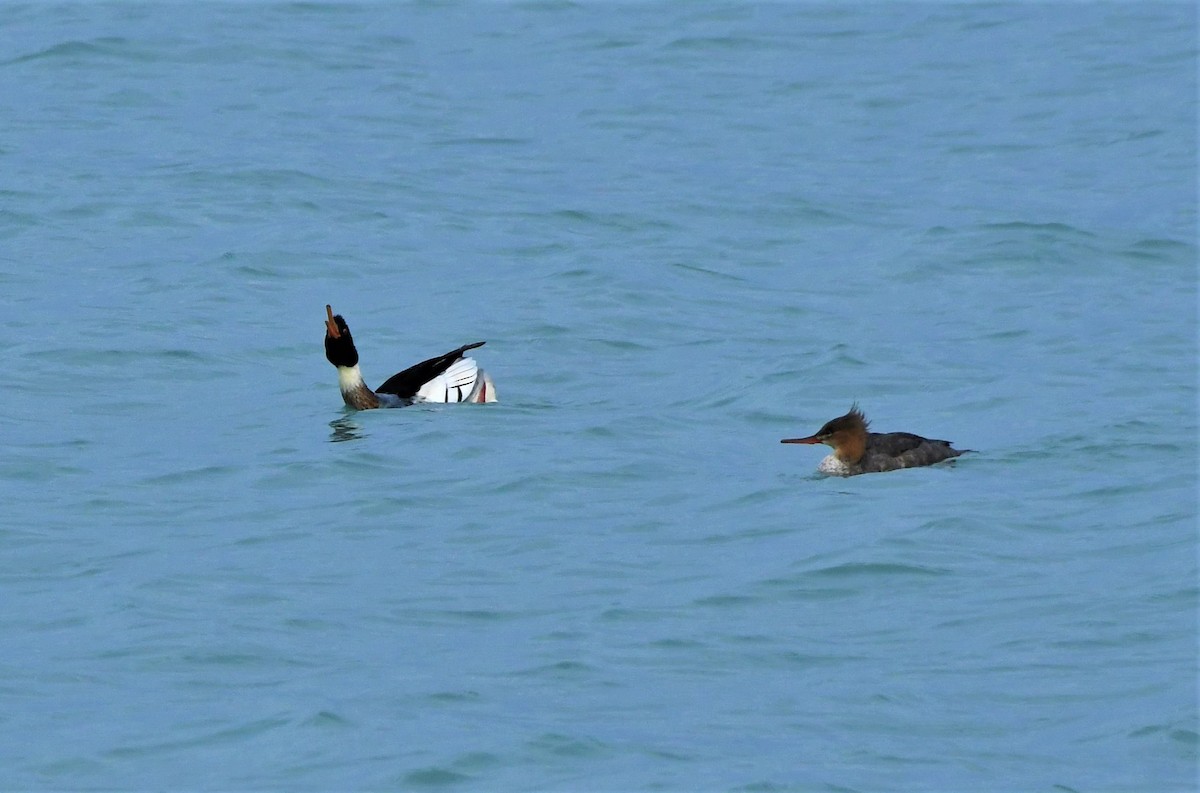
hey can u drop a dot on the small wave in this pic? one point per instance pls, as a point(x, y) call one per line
point(483, 140)
point(455, 696)
point(275, 178)
point(1158, 250)
point(567, 746)
point(112, 47)
point(1179, 734)
point(726, 43)
point(852, 569)
point(727, 601)
point(230, 735)
point(1041, 228)
point(434, 777)
point(325, 718)
point(559, 669)
point(692, 268)
point(194, 474)
point(622, 221)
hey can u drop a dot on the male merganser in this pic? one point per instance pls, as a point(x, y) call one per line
point(446, 378)
point(856, 451)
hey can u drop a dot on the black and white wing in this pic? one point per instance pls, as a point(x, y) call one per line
point(446, 378)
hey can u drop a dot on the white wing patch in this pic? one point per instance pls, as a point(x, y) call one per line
point(456, 384)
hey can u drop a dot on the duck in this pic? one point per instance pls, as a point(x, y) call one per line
point(451, 377)
point(857, 451)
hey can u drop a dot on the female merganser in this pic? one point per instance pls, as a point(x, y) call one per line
point(446, 378)
point(856, 451)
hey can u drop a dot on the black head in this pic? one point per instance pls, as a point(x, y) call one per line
point(339, 344)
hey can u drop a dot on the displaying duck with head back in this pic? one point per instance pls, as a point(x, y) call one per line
point(857, 451)
point(446, 378)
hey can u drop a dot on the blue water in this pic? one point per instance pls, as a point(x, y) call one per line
point(686, 231)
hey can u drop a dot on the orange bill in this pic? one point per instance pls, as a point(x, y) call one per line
point(331, 326)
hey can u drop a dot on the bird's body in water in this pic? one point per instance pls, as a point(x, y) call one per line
point(447, 378)
point(857, 451)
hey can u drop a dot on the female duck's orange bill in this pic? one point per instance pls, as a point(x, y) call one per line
point(330, 325)
point(810, 439)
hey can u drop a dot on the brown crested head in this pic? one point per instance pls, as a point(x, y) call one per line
point(846, 434)
point(855, 422)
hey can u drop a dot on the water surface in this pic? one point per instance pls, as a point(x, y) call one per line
point(685, 231)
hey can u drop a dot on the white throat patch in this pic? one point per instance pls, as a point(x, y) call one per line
point(834, 467)
point(349, 378)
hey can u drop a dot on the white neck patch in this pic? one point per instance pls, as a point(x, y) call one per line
point(350, 378)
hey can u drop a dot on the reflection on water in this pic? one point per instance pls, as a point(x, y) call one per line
point(345, 429)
